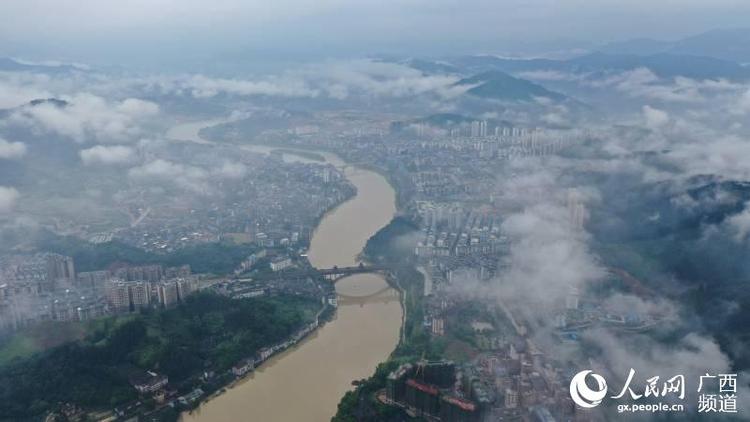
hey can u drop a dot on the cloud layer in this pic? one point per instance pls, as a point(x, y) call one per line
point(8, 198)
point(107, 155)
point(11, 150)
point(88, 117)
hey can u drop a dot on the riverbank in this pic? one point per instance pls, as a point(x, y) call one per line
point(192, 345)
point(360, 404)
point(290, 147)
point(307, 382)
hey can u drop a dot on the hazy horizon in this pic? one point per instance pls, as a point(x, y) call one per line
point(154, 34)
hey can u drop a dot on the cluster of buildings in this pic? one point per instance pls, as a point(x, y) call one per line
point(513, 382)
point(447, 180)
point(297, 285)
point(46, 287)
point(581, 314)
point(41, 287)
point(435, 391)
point(126, 296)
point(470, 129)
point(40, 272)
point(248, 364)
point(270, 203)
point(518, 383)
point(498, 142)
point(450, 230)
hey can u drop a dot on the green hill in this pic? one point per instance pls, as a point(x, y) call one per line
point(498, 85)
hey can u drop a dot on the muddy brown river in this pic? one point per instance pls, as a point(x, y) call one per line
point(305, 383)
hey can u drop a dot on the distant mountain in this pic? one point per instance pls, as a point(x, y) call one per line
point(11, 65)
point(637, 46)
point(663, 64)
point(498, 85)
point(431, 67)
point(5, 112)
point(725, 44)
point(52, 101)
point(486, 63)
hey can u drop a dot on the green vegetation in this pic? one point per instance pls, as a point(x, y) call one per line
point(362, 405)
point(215, 258)
point(501, 86)
point(393, 245)
point(37, 338)
point(208, 331)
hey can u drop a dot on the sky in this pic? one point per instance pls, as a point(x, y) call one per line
point(184, 31)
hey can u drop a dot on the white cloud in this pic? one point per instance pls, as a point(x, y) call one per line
point(654, 117)
point(135, 107)
point(20, 88)
point(551, 75)
point(8, 198)
point(231, 170)
point(342, 78)
point(726, 157)
point(743, 105)
point(739, 224)
point(106, 155)
point(167, 172)
point(89, 117)
point(334, 79)
point(644, 83)
point(11, 150)
point(202, 86)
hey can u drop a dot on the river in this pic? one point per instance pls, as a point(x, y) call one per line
point(305, 383)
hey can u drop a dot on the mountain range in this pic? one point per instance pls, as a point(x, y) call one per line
point(497, 85)
point(725, 44)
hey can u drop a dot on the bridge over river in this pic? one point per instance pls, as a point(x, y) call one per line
point(332, 274)
point(336, 273)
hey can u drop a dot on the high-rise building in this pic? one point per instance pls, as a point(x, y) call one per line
point(118, 296)
point(576, 209)
point(423, 398)
point(140, 294)
point(185, 286)
point(511, 398)
point(396, 383)
point(455, 409)
point(475, 129)
point(60, 267)
point(92, 279)
point(571, 300)
point(167, 294)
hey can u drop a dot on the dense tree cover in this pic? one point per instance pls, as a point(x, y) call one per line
point(393, 243)
point(361, 404)
point(685, 249)
point(215, 258)
point(207, 331)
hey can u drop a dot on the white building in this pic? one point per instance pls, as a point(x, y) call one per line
point(279, 264)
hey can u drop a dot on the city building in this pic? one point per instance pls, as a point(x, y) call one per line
point(243, 367)
point(280, 263)
point(167, 294)
point(148, 382)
